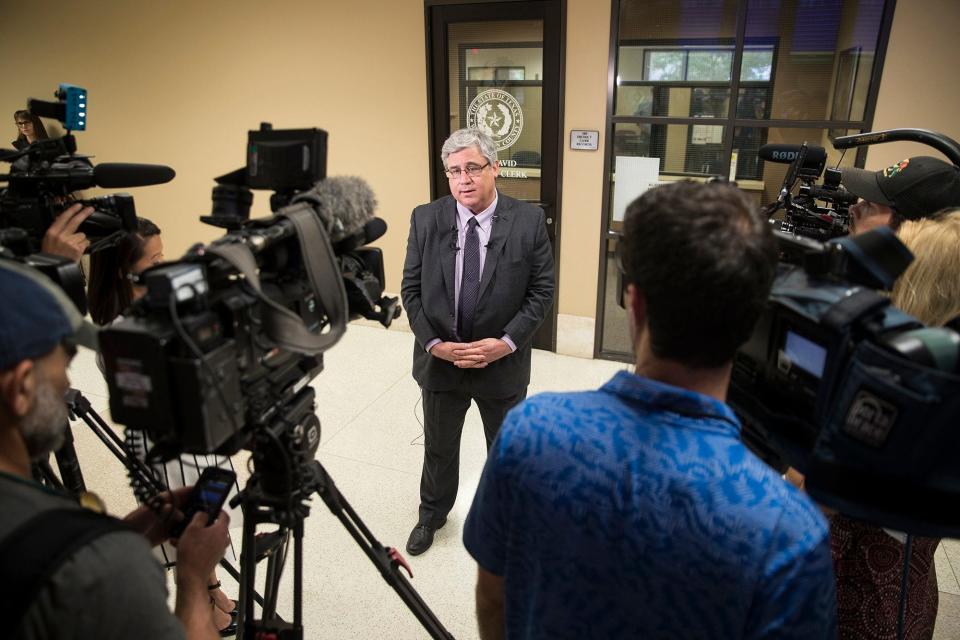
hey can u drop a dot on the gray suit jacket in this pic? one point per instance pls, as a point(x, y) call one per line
point(516, 292)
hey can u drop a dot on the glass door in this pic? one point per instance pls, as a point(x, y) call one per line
point(496, 67)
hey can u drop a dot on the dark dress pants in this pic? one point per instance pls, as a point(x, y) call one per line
point(443, 416)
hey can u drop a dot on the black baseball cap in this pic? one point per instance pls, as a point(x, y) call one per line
point(915, 188)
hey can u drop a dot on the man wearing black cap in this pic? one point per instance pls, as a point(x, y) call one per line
point(913, 188)
point(68, 572)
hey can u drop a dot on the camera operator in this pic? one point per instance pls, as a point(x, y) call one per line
point(29, 129)
point(110, 292)
point(863, 553)
point(903, 197)
point(635, 510)
point(911, 189)
point(69, 572)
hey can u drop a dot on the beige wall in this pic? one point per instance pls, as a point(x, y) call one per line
point(180, 83)
point(585, 107)
point(919, 88)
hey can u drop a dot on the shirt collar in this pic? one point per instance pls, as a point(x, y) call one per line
point(483, 218)
point(665, 397)
point(29, 482)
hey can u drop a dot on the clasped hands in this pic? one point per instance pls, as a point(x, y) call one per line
point(471, 355)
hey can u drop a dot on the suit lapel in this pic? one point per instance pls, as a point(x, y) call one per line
point(447, 221)
point(503, 219)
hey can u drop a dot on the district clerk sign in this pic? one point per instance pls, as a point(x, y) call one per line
point(498, 114)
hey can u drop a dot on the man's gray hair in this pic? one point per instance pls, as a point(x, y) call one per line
point(466, 138)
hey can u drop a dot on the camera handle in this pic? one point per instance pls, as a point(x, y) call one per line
point(255, 511)
point(938, 141)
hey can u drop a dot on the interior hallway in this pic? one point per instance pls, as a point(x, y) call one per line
point(372, 445)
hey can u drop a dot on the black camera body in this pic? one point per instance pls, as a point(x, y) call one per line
point(191, 366)
point(803, 215)
point(854, 393)
point(219, 353)
point(40, 185)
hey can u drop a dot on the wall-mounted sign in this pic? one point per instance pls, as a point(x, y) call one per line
point(584, 140)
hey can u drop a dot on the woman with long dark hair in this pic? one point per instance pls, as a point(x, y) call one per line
point(29, 129)
point(111, 289)
point(110, 292)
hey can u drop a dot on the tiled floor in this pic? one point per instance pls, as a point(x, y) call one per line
point(372, 446)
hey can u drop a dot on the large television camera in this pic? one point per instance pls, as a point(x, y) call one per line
point(857, 395)
point(43, 180)
point(219, 353)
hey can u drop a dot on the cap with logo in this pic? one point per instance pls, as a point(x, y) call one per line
point(915, 188)
point(36, 316)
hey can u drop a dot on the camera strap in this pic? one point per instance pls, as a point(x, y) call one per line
point(284, 327)
point(33, 552)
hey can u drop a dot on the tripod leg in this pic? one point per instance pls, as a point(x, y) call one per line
point(43, 473)
point(298, 576)
point(248, 571)
point(271, 585)
point(70, 474)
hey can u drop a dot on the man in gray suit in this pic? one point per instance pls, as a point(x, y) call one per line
point(477, 282)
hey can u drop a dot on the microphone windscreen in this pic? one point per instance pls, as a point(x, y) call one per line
point(121, 175)
point(787, 153)
point(345, 204)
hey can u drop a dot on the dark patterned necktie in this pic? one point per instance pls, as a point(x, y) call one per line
point(469, 281)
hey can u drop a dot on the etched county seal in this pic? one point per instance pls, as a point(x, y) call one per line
point(498, 114)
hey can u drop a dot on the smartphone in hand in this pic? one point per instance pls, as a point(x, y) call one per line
point(208, 496)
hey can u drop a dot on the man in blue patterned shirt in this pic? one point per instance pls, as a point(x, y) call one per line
point(635, 511)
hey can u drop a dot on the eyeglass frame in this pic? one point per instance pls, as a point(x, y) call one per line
point(475, 172)
point(24, 123)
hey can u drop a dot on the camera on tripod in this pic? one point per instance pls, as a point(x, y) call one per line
point(219, 353)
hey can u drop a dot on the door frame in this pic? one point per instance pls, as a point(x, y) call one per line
point(553, 13)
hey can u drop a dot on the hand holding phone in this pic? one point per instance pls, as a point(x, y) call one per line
point(208, 496)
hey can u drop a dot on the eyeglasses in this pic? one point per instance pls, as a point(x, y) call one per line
point(472, 170)
point(23, 124)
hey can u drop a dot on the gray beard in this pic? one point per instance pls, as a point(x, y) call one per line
point(44, 428)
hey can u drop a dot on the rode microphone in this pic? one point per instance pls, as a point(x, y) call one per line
point(787, 153)
point(815, 159)
point(123, 175)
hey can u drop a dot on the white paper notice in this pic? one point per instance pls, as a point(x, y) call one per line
point(634, 176)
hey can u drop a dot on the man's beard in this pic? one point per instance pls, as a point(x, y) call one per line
point(44, 427)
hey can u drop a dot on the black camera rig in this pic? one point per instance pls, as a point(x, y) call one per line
point(43, 180)
point(218, 355)
point(857, 395)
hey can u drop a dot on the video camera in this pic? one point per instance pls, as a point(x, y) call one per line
point(803, 216)
point(219, 353)
point(857, 395)
point(42, 181)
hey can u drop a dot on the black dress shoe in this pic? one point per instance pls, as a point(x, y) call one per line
point(422, 537)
